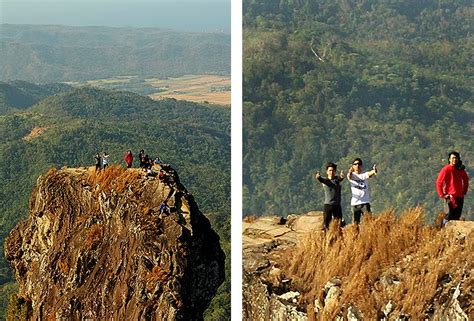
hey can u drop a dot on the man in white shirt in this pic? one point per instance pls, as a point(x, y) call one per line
point(360, 201)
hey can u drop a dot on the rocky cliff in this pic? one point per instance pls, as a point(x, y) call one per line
point(267, 293)
point(113, 245)
point(389, 268)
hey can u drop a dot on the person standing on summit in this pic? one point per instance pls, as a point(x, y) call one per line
point(451, 185)
point(105, 160)
point(332, 194)
point(360, 201)
point(128, 158)
point(98, 161)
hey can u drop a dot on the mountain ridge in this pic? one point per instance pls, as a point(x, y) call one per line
point(57, 53)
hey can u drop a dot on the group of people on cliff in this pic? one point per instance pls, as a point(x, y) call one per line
point(166, 174)
point(101, 160)
point(451, 185)
point(145, 161)
point(360, 201)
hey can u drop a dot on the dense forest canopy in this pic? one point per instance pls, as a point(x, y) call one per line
point(44, 54)
point(388, 81)
point(72, 125)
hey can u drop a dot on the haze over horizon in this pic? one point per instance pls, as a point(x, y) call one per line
point(180, 15)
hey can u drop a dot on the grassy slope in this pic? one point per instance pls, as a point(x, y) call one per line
point(419, 256)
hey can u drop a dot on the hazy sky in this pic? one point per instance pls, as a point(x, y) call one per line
point(189, 15)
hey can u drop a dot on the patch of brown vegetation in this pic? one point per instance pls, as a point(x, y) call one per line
point(114, 177)
point(219, 98)
point(94, 236)
point(360, 256)
point(250, 218)
point(81, 219)
point(198, 88)
point(35, 132)
point(158, 274)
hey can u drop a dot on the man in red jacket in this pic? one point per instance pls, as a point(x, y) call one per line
point(452, 185)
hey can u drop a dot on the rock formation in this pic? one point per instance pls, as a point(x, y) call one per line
point(101, 246)
point(270, 291)
point(267, 294)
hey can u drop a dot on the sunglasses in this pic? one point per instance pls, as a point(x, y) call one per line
point(356, 164)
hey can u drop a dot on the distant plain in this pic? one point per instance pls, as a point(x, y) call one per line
point(212, 89)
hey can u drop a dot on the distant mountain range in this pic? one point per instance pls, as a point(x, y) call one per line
point(46, 53)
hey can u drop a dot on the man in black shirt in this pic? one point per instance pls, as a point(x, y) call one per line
point(332, 193)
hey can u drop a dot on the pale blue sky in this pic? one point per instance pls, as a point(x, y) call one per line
point(187, 15)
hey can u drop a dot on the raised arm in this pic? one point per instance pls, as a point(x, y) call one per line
point(373, 171)
point(323, 180)
point(317, 175)
point(349, 173)
point(341, 176)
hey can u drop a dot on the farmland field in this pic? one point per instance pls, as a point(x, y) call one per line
point(197, 88)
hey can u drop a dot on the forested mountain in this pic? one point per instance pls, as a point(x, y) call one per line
point(69, 128)
point(388, 81)
point(59, 53)
point(18, 95)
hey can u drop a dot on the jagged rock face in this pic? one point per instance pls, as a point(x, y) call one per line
point(267, 293)
point(103, 251)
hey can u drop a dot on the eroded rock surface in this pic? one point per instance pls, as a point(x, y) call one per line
point(99, 248)
point(267, 294)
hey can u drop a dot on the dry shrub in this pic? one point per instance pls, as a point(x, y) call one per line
point(439, 219)
point(112, 178)
point(158, 274)
point(94, 236)
point(250, 218)
point(81, 219)
point(441, 256)
point(359, 256)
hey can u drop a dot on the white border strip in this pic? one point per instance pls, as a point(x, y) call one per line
point(236, 160)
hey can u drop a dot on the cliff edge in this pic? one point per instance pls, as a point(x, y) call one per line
point(100, 245)
point(390, 267)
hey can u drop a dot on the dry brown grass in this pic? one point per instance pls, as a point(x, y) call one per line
point(112, 178)
point(250, 218)
point(360, 256)
point(36, 131)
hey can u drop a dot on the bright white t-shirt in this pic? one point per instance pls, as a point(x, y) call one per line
point(360, 188)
